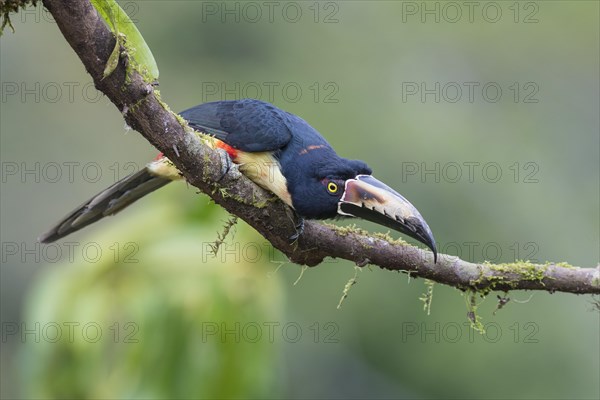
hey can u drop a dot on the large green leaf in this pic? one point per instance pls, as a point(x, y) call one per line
point(129, 37)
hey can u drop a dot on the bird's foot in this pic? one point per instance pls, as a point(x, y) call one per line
point(299, 230)
point(226, 163)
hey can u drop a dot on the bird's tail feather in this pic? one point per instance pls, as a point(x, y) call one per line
point(108, 202)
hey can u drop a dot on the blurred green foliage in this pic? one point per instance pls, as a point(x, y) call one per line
point(149, 318)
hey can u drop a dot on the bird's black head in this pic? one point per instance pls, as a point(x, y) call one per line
point(340, 187)
point(318, 196)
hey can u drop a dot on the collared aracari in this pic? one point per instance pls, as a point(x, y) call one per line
point(280, 152)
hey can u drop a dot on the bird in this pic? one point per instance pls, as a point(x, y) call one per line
point(280, 152)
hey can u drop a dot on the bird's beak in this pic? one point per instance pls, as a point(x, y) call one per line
point(367, 198)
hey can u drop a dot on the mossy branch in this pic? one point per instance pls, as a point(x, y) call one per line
point(143, 110)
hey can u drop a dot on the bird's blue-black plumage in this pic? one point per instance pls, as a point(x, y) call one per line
point(248, 125)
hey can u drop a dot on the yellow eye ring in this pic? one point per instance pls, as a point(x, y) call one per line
point(332, 187)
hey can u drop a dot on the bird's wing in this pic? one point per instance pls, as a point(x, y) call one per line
point(248, 125)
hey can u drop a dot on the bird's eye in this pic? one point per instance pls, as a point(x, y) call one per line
point(332, 187)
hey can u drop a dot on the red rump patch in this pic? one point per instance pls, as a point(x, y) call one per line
point(159, 156)
point(233, 153)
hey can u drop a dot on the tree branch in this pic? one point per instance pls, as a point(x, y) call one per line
point(143, 110)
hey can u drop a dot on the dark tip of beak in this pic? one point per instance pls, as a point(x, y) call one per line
point(422, 233)
point(367, 198)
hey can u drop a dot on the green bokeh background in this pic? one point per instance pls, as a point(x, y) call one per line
point(175, 292)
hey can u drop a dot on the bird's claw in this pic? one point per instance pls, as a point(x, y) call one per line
point(226, 163)
point(299, 230)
